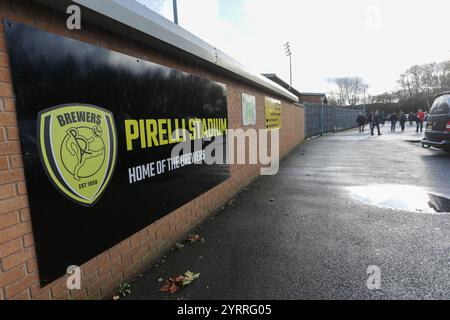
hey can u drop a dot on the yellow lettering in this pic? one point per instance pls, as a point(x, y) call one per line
point(170, 132)
point(192, 128)
point(131, 133)
point(152, 132)
point(142, 133)
point(162, 132)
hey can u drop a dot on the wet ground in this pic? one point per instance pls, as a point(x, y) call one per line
point(407, 198)
point(340, 204)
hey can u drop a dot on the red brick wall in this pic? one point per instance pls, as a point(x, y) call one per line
point(19, 278)
point(311, 99)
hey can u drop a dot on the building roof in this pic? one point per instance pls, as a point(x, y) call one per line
point(287, 86)
point(137, 22)
point(281, 82)
point(313, 94)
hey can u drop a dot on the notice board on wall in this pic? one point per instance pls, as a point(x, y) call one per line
point(96, 130)
point(273, 113)
point(248, 110)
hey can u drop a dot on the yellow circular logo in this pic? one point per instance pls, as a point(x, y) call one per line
point(78, 148)
point(83, 151)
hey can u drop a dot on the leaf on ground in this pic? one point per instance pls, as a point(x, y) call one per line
point(192, 238)
point(179, 246)
point(189, 277)
point(174, 284)
point(170, 286)
point(124, 289)
point(115, 298)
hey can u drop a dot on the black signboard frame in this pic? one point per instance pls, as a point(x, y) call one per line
point(49, 70)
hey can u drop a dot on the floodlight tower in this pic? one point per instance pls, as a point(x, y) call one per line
point(175, 12)
point(288, 51)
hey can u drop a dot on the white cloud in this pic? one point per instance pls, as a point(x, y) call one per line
point(374, 39)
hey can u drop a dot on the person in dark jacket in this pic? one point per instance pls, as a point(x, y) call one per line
point(361, 120)
point(403, 119)
point(382, 118)
point(411, 118)
point(393, 118)
point(375, 123)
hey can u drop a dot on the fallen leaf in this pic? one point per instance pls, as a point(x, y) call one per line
point(192, 238)
point(179, 246)
point(174, 284)
point(170, 287)
point(115, 298)
point(124, 289)
point(189, 277)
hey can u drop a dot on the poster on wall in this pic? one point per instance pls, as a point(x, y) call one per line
point(248, 109)
point(273, 113)
point(97, 134)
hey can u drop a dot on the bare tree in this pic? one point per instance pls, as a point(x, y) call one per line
point(420, 83)
point(384, 98)
point(350, 91)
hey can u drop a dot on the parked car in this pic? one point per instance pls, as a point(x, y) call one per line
point(437, 132)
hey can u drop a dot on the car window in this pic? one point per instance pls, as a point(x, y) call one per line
point(441, 105)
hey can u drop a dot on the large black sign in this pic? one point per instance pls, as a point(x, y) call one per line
point(96, 130)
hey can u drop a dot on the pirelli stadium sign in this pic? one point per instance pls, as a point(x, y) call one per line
point(98, 131)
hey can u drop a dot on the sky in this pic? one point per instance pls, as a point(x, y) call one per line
point(373, 39)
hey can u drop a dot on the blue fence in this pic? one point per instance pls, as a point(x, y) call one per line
point(334, 119)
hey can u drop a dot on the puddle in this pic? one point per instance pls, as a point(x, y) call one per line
point(409, 198)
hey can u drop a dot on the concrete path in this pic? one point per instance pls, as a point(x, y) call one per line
point(300, 235)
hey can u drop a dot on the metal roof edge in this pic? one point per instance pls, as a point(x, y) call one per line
point(319, 94)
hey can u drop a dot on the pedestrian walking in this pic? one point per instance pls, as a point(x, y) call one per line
point(361, 120)
point(420, 117)
point(403, 119)
point(382, 118)
point(393, 119)
point(375, 123)
point(411, 118)
point(370, 119)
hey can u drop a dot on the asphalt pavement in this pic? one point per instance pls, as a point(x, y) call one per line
point(301, 235)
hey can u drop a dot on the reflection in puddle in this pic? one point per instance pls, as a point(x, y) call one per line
point(409, 198)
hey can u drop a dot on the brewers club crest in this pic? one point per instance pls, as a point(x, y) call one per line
point(78, 149)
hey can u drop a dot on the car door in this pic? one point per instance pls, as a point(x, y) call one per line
point(439, 114)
